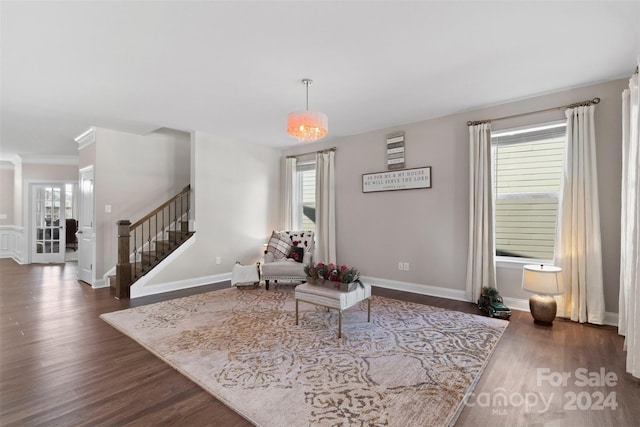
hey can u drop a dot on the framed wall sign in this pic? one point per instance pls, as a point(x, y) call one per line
point(405, 179)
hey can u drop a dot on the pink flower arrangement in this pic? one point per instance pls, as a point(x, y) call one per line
point(330, 271)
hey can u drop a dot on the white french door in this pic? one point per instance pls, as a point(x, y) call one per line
point(48, 223)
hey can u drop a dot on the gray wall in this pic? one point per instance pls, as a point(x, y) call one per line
point(40, 173)
point(12, 181)
point(236, 194)
point(429, 227)
point(6, 194)
point(134, 174)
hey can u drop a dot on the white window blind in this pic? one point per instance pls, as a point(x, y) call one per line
point(527, 174)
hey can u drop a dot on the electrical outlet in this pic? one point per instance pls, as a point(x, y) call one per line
point(400, 266)
point(405, 266)
point(218, 260)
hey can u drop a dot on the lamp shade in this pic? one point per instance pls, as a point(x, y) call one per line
point(307, 126)
point(542, 279)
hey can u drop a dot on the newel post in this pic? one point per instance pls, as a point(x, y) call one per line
point(123, 267)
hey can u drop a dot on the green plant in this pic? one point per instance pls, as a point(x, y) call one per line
point(330, 271)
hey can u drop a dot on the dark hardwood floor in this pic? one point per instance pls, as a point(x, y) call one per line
point(60, 365)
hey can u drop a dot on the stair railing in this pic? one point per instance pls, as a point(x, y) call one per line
point(142, 245)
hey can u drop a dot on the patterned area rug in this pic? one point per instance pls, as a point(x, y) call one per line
point(411, 366)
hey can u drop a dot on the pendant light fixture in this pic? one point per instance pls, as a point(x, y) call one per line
point(307, 125)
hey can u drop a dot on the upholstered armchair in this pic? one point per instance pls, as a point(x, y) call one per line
point(286, 256)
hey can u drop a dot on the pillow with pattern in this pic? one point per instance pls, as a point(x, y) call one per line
point(297, 253)
point(279, 245)
point(302, 239)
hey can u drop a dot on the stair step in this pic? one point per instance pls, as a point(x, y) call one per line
point(165, 246)
point(149, 257)
point(177, 235)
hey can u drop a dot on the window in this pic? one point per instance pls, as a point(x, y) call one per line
point(307, 187)
point(527, 175)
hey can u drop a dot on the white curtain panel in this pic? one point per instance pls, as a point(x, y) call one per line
point(325, 207)
point(291, 195)
point(578, 249)
point(481, 260)
point(629, 303)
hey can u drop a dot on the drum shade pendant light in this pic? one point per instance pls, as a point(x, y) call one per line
point(307, 125)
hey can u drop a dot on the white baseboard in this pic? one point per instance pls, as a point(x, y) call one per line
point(143, 291)
point(142, 288)
point(610, 319)
point(516, 303)
point(416, 288)
point(100, 283)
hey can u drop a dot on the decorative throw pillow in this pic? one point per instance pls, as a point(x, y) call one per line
point(297, 253)
point(302, 239)
point(279, 245)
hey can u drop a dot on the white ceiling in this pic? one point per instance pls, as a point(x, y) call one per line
point(233, 69)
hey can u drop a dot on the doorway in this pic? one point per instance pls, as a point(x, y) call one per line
point(86, 227)
point(53, 223)
point(48, 223)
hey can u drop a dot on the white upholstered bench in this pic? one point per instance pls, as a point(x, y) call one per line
point(333, 298)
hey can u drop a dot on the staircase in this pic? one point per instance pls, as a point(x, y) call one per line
point(144, 244)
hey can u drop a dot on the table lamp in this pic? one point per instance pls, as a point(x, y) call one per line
point(545, 281)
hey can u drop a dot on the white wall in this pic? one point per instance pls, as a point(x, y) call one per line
point(134, 174)
point(236, 196)
point(429, 227)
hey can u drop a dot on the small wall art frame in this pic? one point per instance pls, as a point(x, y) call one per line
point(405, 179)
point(395, 151)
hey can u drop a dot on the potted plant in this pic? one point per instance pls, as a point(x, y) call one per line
point(343, 278)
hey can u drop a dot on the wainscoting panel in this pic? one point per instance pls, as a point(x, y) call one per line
point(12, 243)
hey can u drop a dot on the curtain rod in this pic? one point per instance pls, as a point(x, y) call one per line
point(577, 104)
point(311, 152)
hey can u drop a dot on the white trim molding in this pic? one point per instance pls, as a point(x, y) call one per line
point(14, 159)
point(86, 138)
